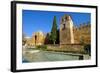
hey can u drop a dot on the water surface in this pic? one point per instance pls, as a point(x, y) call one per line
point(43, 56)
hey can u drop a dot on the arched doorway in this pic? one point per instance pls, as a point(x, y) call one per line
point(35, 39)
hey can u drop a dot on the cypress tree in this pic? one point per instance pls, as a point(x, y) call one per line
point(53, 35)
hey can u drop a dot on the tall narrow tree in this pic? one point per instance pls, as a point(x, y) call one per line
point(53, 35)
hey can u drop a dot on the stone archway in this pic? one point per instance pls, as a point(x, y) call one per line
point(35, 39)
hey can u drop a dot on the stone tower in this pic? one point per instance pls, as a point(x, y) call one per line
point(66, 30)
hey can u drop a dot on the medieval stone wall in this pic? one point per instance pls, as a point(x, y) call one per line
point(76, 48)
point(70, 34)
point(66, 30)
point(82, 34)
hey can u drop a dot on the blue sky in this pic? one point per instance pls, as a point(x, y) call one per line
point(33, 21)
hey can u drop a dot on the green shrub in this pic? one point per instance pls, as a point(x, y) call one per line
point(41, 47)
point(87, 49)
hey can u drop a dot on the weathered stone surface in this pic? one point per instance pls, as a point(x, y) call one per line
point(37, 39)
point(70, 34)
point(66, 30)
point(83, 34)
point(77, 48)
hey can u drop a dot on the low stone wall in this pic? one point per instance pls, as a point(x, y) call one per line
point(77, 48)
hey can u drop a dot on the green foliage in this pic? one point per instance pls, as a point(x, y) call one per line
point(53, 35)
point(87, 49)
point(41, 47)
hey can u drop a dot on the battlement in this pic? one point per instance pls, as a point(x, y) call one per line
point(82, 34)
point(82, 26)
